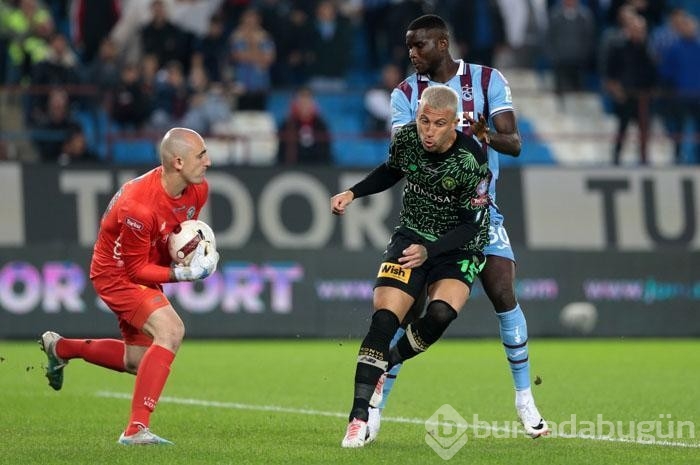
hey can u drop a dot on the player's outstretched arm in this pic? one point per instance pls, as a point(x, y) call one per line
point(340, 201)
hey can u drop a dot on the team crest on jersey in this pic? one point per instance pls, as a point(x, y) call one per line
point(448, 183)
point(467, 93)
point(482, 194)
point(190, 213)
point(483, 187)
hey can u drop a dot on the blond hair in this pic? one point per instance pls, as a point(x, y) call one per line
point(440, 97)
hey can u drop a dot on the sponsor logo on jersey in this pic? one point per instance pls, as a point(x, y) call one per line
point(394, 271)
point(416, 189)
point(482, 193)
point(467, 93)
point(133, 224)
point(190, 213)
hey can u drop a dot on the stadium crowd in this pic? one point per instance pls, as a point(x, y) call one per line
point(134, 67)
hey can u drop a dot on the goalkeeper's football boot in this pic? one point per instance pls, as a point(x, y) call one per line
point(532, 421)
point(378, 393)
point(356, 434)
point(54, 368)
point(373, 423)
point(144, 437)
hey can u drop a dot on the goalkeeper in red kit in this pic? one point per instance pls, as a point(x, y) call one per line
point(129, 264)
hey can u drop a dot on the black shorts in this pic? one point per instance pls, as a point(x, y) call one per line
point(462, 265)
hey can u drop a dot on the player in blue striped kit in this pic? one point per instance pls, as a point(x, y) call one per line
point(485, 95)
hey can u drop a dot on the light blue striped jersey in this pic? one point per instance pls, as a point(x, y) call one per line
point(472, 82)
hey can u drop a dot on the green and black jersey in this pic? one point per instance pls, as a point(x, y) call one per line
point(445, 198)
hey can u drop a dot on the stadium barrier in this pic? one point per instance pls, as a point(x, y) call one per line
point(601, 252)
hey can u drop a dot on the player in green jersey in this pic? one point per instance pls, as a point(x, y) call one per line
point(439, 243)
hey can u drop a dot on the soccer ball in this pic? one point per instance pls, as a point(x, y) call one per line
point(184, 240)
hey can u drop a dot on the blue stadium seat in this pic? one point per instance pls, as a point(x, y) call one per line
point(359, 152)
point(534, 151)
point(134, 152)
point(88, 123)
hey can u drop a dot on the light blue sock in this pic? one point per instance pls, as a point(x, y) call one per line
point(514, 337)
point(393, 373)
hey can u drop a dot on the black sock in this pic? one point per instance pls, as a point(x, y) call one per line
point(372, 360)
point(423, 332)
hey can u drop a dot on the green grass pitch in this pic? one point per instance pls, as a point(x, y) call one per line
point(286, 401)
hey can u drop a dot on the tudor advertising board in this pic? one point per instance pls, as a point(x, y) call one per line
point(600, 252)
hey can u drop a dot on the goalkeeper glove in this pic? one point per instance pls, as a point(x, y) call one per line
point(203, 263)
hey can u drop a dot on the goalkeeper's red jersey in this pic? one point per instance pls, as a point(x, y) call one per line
point(132, 241)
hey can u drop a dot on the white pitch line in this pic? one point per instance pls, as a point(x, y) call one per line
point(412, 421)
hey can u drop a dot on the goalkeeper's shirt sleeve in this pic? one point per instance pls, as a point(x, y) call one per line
point(136, 248)
point(380, 179)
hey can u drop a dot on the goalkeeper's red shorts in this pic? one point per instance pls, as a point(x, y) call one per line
point(133, 304)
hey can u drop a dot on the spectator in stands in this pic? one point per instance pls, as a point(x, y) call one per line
point(135, 14)
point(304, 135)
point(288, 24)
point(53, 128)
point(399, 16)
point(692, 7)
point(660, 40)
point(60, 66)
point(252, 55)
point(330, 41)
point(194, 16)
point(374, 15)
point(570, 41)
point(91, 23)
point(651, 10)
point(666, 34)
point(29, 28)
point(148, 69)
point(130, 106)
point(680, 72)
point(210, 50)
point(614, 34)
point(525, 23)
point(231, 11)
point(75, 150)
point(207, 105)
point(171, 96)
point(104, 70)
point(377, 100)
point(165, 40)
point(630, 79)
point(481, 30)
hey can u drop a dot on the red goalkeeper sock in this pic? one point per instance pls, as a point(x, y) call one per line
point(150, 380)
point(108, 353)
